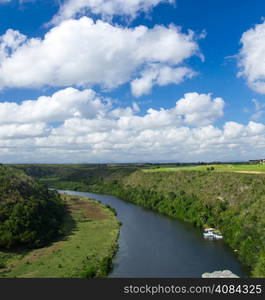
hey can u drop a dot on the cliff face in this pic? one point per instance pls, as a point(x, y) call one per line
point(232, 188)
point(232, 202)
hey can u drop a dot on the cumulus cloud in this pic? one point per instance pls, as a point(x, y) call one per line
point(159, 75)
point(192, 110)
point(200, 109)
point(252, 57)
point(105, 8)
point(60, 106)
point(91, 129)
point(10, 131)
point(84, 53)
point(74, 142)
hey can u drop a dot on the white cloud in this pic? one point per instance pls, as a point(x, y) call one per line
point(78, 141)
point(10, 131)
point(159, 75)
point(200, 109)
point(9, 42)
point(193, 109)
point(90, 129)
point(106, 8)
point(60, 106)
point(101, 132)
point(252, 57)
point(254, 128)
point(84, 53)
point(233, 130)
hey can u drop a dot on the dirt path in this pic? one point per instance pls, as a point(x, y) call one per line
point(250, 172)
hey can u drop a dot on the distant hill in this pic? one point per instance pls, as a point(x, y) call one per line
point(30, 214)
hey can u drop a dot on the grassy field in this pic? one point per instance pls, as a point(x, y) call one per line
point(244, 168)
point(86, 251)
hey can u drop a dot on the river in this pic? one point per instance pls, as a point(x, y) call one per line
point(153, 245)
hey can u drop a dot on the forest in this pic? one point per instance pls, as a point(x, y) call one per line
point(30, 214)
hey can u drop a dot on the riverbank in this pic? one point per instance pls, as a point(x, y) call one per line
point(152, 245)
point(90, 241)
point(234, 203)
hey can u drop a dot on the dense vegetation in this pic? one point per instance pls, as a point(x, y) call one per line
point(30, 214)
point(90, 241)
point(232, 202)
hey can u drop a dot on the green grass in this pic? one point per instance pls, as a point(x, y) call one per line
point(83, 253)
point(217, 168)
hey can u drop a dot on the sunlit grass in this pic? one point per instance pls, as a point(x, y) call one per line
point(214, 168)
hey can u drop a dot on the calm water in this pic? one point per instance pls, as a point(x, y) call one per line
point(151, 245)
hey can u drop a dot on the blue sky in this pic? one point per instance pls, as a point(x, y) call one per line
point(218, 27)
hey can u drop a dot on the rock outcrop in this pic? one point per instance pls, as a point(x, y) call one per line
point(220, 274)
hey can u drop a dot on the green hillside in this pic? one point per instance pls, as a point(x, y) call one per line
point(232, 202)
point(30, 214)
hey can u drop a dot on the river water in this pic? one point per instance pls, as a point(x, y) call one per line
point(153, 245)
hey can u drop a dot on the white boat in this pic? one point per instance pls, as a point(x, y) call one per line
point(218, 236)
point(207, 234)
point(212, 234)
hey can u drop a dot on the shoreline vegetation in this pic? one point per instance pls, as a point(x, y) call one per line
point(84, 247)
point(229, 200)
point(86, 250)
